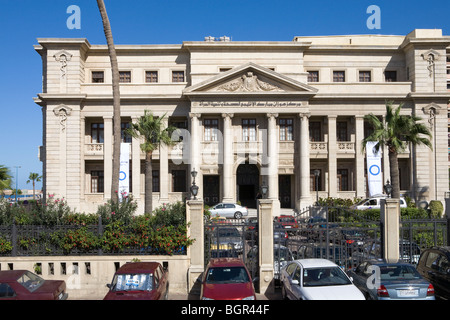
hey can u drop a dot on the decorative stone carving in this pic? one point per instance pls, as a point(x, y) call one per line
point(431, 110)
point(248, 83)
point(430, 56)
point(62, 112)
point(63, 57)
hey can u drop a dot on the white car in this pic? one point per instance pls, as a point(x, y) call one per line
point(374, 203)
point(317, 279)
point(229, 210)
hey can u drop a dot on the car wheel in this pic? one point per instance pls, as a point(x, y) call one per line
point(238, 215)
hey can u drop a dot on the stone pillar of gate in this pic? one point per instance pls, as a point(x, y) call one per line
point(447, 216)
point(194, 215)
point(390, 229)
point(265, 235)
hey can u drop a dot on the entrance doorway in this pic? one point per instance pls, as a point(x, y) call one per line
point(211, 189)
point(247, 184)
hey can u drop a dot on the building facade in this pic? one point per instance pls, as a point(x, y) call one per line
point(247, 113)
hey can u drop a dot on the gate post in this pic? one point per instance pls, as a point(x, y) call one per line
point(447, 216)
point(390, 229)
point(265, 235)
point(194, 215)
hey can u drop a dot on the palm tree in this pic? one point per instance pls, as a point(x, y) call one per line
point(396, 133)
point(34, 177)
point(116, 101)
point(152, 130)
point(5, 178)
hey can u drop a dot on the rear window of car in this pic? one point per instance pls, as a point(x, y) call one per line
point(398, 272)
point(227, 275)
point(30, 281)
point(132, 282)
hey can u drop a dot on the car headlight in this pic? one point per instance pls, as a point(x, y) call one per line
point(249, 298)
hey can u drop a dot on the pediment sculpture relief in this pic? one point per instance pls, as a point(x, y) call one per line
point(248, 83)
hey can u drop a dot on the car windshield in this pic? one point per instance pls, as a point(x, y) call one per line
point(30, 281)
point(133, 282)
point(282, 254)
point(287, 219)
point(227, 275)
point(362, 202)
point(229, 232)
point(398, 272)
point(326, 276)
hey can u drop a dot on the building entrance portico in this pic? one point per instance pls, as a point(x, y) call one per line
point(247, 184)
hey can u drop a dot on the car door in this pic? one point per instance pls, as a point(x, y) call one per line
point(360, 276)
point(229, 210)
point(442, 276)
point(296, 292)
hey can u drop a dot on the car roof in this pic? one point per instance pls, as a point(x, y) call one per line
point(11, 275)
point(138, 267)
point(226, 262)
point(315, 263)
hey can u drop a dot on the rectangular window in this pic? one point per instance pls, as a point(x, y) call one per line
point(177, 76)
point(98, 77)
point(341, 131)
point(178, 180)
point(390, 76)
point(315, 131)
point(151, 76)
point(211, 129)
point(97, 181)
point(286, 129)
point(249, 129)
point(365, 76)
point(342, 179)
point(155, 180)
point(338, 76)
point(97, 132)
point(124, 137)
point(125, 76)
point(313, 76)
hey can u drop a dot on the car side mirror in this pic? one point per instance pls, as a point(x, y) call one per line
point(296, 282)
point(351, 279)
point(108, 285)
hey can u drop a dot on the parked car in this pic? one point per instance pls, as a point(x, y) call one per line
point(374, 203)
point(336, 253)
point(434, 265)
point(317, 279)
point(227, 238)
point(287, 222)
point(379, 280)
point(25, 285)
point(229, 210)
point(280, 235)
point(226, 279)
point(139, 281)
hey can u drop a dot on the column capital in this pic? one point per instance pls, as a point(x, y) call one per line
point(272, 115)
point(332, 116)
point(194, 115)
point(302, 115)
point(227, 115)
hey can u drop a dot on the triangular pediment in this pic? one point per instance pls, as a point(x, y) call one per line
point(249, 79)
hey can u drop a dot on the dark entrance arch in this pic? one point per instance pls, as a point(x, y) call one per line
point(247, 184)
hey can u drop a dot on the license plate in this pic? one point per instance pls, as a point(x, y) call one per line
point(408, 293)
point(288, 227)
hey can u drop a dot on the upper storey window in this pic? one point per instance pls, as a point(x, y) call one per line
point(313, 76)
point(151, 76)
point(177, 76)
point(365, 76)
point(98, 77)
point(390, 76)
point(338, 76)
point(125, 76)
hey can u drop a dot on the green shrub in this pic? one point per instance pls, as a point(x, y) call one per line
point(436, 209)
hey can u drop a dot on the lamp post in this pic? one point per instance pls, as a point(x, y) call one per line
point(17, 178)
point(264, 190)
point(388, 189)
point(194, 187)
point(316, 175)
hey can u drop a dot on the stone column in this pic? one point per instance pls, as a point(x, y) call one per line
point(332, 157)
point(265, 238)
point(305, 195)
point(82, 163)
point(136, 164)
point(359, 157)
point(107, 155)
point(164, 170)
point(194, 215)
point(390, 229)
point(272, 166)
point(228, 158)
point(196, 152)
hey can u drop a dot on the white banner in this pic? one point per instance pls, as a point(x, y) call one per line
point(374, 174)
point(124, 180)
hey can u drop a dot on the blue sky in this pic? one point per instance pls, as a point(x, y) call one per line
point(168, 22)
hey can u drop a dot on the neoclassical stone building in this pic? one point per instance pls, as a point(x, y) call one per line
point(248, 113)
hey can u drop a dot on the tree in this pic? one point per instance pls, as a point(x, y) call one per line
point(33, 177)
point(5, 178)
point(154, 134)
point(396, 133)
point(116, 101)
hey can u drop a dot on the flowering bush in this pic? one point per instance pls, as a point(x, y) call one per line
point(5, 246)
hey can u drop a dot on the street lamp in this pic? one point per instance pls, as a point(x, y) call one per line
point(264, 190)
point(194, 187)
point(317, 174)
point(388, 189)
point(17, 178)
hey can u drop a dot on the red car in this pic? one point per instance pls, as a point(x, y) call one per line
point(288, 222)
point(139, 281)
point(25, 285)
point(227, 279)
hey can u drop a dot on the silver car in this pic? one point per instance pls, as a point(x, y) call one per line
point(229, 210)
point(379, 280)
